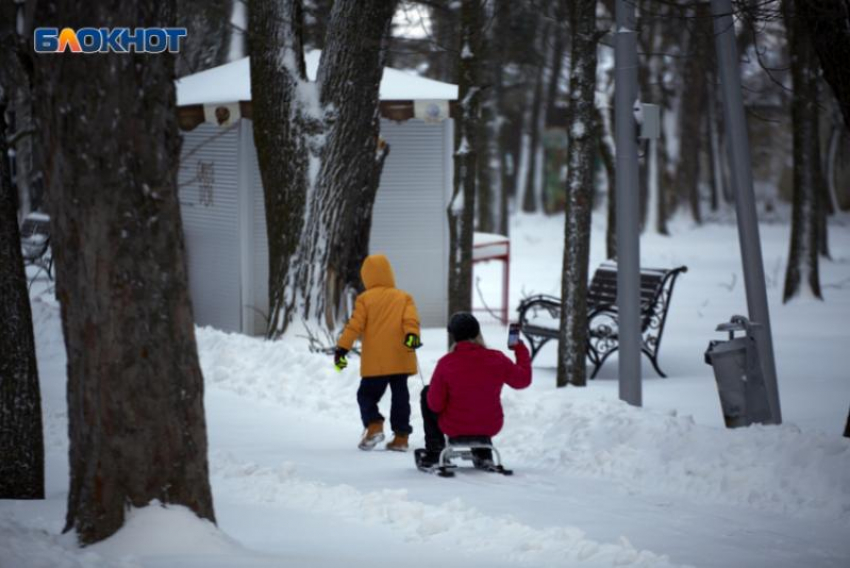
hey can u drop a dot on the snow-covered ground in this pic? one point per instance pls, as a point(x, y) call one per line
point(597, 483)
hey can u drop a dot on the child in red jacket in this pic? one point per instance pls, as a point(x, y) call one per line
point(464, 397)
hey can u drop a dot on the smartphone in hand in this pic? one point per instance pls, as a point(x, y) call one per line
point(513, 335)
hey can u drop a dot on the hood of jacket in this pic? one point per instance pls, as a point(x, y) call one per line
point(377, 271)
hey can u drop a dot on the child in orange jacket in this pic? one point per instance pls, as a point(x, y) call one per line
point(385, 319)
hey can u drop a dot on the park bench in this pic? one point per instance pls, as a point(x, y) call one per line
point(540, 315)
point(35, 244)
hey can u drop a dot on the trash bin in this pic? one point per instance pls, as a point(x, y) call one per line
point(739, 376)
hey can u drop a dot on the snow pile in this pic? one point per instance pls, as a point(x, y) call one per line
point(776, 468)
point(151, 536)
point(168, 532)
point(284, 372)
point(451, 525)
point(34, 548)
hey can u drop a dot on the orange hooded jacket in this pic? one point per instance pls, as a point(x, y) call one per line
point(383, 316)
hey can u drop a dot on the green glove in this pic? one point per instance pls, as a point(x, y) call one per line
point(412, 341)
point(340, 362)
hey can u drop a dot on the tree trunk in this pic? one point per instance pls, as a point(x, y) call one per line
point(462, 206)
point(135, 391)
point(529, 194)
point(553, 94)
point(330, 132)
point(208, 42)
point(501, 30)
point(828, 25)
point(803, 255)
point(580, 154)
point(21, 441)
point(692, 107)
point(847, 427)
point(605, 143)
point(444, 14)
point(715, 175)
point(487, 197)
point(654, 193)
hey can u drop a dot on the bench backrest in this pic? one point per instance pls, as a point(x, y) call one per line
point(603, 288)
point(35, 226)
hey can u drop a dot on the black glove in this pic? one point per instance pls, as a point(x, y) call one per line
point(340, 362)
point(411, 340)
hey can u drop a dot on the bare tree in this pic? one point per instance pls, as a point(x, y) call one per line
point(21, 441)
point(802, 267)
point(462, 205)
point(319, 199)
point(581, 151)
point(135, 391)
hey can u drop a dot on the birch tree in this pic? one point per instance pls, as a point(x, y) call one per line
point(319, 150)
point(21, 440)
point(461, 210)
point(136, 421)
point(581, 131)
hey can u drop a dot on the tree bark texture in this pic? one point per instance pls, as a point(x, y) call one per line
point(21, 439)
point(533, 124)
point(579, 188)
point(661, 38)
point(208, 41)
point(827, 23)
point(712, 135)
point(462, 205)
point(488, 189)
point(135, 391)
point(319, 199)
point(802, 267)
point(502, 29)
point(691, 110)
point(604, 139)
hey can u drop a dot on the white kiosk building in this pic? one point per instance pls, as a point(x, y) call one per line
point(221, 194)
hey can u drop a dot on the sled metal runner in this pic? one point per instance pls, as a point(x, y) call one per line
point(462, 447)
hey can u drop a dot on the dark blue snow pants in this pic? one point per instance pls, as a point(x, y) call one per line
point(369, 394)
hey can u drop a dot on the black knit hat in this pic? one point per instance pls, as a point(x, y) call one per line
point(463, 326)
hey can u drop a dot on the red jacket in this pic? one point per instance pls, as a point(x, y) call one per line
point(467, 384)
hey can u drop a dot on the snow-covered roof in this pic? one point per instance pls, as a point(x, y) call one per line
point(232, 82)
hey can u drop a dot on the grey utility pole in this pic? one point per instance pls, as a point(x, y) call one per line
point(742, 183)
point(628, 204)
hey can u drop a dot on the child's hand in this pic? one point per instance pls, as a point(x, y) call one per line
point(412, 341)
point(340, 362)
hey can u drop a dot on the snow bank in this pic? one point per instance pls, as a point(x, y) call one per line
point(283, 372)
point(166, 531)
point(451, 525)
point(20, 546)
point(776, 468)
point(153, 536)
